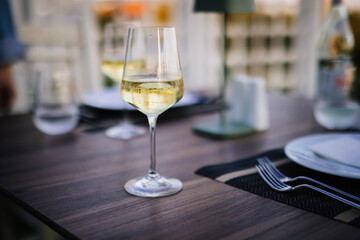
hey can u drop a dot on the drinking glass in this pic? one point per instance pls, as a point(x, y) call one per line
point(56, 111)
point(152, 86)
point(112, 67)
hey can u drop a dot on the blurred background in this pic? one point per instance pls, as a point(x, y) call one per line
point(277, 42)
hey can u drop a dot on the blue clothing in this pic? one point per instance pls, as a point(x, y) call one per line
point(10, 48)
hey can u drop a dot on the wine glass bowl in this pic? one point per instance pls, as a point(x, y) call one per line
point(113, 51)
point(152, 86)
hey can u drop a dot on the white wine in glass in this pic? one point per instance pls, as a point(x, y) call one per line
point(112, 67)
point(152, 96)
point(152, 87)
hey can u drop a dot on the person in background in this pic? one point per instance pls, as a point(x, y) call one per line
point(10, 50)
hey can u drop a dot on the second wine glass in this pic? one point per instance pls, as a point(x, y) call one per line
point(112, 67)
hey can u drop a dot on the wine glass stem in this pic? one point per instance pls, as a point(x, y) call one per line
point(125, 117)
point(152, 123)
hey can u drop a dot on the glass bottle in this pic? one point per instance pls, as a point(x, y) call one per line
point(333, 108)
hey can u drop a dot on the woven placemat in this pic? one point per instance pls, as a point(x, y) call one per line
point(242, 174)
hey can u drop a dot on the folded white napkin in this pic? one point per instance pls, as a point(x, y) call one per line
point(343, 149)
point(249, 102)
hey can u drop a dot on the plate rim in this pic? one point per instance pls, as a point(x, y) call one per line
point(352, 174)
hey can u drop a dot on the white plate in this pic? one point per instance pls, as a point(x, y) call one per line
point(318, 163)
point(110, 99)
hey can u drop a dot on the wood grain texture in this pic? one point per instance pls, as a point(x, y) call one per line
point(75, 182)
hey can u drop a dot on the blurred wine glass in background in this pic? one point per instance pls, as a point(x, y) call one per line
point(112, 67)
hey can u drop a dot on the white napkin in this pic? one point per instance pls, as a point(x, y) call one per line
point(257, 114)
point(249, 102)
point(344, 149)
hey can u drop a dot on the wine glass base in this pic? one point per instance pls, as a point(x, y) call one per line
point(153, 187)
point(125, 131)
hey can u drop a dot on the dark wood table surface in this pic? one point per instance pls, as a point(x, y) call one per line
point(74, 183)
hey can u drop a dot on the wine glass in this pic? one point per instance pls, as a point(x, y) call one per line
point(56, 111)
point(152, 86)
point(112, 67)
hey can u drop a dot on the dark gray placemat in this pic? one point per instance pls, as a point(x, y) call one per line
point(243, 175)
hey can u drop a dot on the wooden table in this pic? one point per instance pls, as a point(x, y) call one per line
point(74, 183)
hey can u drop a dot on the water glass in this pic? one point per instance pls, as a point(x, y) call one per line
point(56, 111)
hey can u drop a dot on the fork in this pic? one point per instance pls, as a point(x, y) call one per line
point(278, 185)
point(283, 178)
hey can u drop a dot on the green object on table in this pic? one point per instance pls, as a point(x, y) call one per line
point(223, 128)
point(215, 129)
